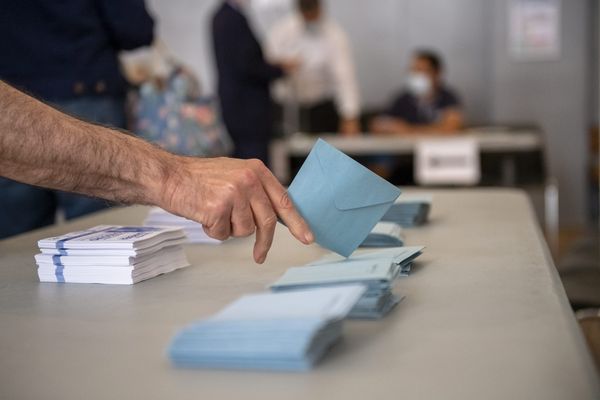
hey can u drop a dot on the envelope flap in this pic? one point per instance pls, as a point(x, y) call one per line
point(354, 186)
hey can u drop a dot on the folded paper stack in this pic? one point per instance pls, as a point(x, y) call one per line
point(409, 210)
point(402, 257)
point(340, 199)
point(193, 230)
point(111, 255)
point(384, 234)
point(275, 331)
point(375, 270)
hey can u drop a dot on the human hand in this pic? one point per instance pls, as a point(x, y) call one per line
point(290, 66)
point(388, 125)
point(232, 197)
point(349, 127)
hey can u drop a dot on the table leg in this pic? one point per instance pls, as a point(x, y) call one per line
point(509, 170)
point(280, 160)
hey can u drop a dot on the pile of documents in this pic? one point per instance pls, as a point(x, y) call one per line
point(340, 199)
point(402, 257)
point(409, 210)
point(376, 270)
point(193, 230)
point(384, 234)
point(111, 255)
point(276, 331)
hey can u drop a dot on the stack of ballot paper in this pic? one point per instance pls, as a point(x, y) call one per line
point(409, 210)
point(111, 255)
point(376, 270)
point(340, 199)
point(384, 234)
point(276, 331)
point(193, 230)
point(402, 257)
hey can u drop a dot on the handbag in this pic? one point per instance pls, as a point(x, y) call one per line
point(169, 110)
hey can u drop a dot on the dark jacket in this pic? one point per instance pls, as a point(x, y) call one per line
point(63, 49)
point(243, 76)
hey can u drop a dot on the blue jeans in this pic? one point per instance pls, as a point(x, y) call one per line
point(24, 207)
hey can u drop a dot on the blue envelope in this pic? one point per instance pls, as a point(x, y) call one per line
point(340, 199)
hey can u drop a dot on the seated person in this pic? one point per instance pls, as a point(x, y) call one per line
point(427, 105)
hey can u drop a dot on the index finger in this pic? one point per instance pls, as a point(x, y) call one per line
point(284, 207)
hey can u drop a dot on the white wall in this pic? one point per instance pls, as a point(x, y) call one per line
point(471, 34)
point(553, 95)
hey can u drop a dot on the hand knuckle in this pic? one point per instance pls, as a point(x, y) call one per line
point(256, 163)
point(285, 201)
point(248, 177)
point(268, 222)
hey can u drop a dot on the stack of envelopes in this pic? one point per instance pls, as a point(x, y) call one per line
point(376, 270)
point(409, 210)
point(402, 257)
point(111, 255)
point(384, 234)
point(193, 230)
point(276, 331)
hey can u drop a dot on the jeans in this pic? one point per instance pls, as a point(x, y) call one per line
point(24, 207)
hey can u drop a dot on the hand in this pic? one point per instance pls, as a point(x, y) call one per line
point(232, 197)
point(388, 125)
point(290, 66)
point(349, 127)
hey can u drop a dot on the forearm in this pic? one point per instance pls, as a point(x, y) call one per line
point(41, 146)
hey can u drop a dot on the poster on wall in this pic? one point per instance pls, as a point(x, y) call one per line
point(534, 30)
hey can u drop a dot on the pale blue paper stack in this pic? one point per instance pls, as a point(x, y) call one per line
point(275, 331)
point(376, 270)
point(384, 234)
point(409, 210)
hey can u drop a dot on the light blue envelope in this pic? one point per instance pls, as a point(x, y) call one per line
point(340, 199)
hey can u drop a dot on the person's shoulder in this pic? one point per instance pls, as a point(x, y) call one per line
point(289, 23)
point(334, 28)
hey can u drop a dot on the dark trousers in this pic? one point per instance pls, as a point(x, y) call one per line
point(321, 117)
point(24, 207)
point(247, 149)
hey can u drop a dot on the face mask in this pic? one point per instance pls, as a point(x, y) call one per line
point(418, 84)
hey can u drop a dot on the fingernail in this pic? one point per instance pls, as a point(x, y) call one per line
point(308, 237)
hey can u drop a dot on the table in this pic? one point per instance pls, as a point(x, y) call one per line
point(506, 142)
point(485, 317)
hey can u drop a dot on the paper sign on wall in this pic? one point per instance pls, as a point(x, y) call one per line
point(534, 29)
point(453, 161)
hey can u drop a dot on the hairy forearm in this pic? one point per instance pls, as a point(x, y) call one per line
point(41, 146)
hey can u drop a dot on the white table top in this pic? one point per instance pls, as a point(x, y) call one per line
point(489, 141)
point(485, 318)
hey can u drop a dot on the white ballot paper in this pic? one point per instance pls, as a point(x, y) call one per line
point(111, 255)
point(277, 331)
point(193, 230)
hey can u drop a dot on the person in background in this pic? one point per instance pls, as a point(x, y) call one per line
point(426, 105)
point(66, 54)
point(324, 86)
point(243, 81)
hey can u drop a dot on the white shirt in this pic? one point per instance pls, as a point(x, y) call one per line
point(326, 67)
